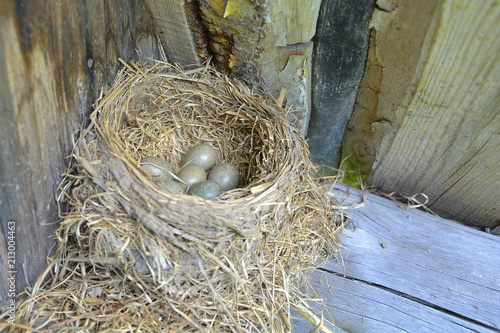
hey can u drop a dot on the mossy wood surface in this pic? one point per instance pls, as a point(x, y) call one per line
point(54, 57)
point(427, 117)
point(405, 270)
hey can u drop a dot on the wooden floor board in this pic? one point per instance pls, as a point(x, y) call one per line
point(405, 270)
point(359, 307)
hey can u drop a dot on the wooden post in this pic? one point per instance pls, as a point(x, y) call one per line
point(340, 51)
point(55, 57)
point(427, 117)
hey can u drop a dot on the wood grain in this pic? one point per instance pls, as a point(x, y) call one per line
point(179, 32)
point(55, 57)
point(427, 115)
point(267, 44)
point(358, 307)
point(405, 270)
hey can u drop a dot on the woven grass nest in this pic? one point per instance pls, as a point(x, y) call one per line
point(135, 257)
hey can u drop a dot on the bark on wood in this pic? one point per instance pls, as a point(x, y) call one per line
point(55, 57)
point(427, 113)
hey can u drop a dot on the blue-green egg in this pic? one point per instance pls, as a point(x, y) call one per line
point(207, 189)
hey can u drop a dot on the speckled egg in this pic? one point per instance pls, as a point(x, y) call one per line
point(192, 174)
point(203, 155)
point(157, 167)
point(207, 189)
point(226, 175)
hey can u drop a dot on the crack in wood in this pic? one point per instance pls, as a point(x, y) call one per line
point(296, 47)
point(452, 175)
point(198, 29)
point(411, 298)
point(381, 9)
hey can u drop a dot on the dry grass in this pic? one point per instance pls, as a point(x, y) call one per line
point(135, 257)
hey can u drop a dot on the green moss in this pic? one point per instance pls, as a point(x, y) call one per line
point(353, 175)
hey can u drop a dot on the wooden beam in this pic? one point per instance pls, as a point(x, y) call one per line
point(55, 58)
point(405, 270)
point(339, 58)
point(427, 113)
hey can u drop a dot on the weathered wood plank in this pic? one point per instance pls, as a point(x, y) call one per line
point(55, 58)
point(406, 270)
point(177, 25)
point(399, 45)
point(301, 325)
point(427, 113)
point(339, 58)
point(266, 44)
point(359, 307)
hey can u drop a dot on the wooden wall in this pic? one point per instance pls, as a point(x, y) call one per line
point(427, 115)
point(54, 57)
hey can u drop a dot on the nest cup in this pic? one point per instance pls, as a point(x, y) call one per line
point(233, 263)
point(164, 112)
point(165, 115)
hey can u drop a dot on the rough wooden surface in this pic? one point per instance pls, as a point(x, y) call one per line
point(405, 270)
point(339, 59)
point(427, 115)
point(266, 43)
point(179, 29)
point(55, 57)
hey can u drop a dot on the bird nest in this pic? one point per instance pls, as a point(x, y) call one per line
point(134, 256)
